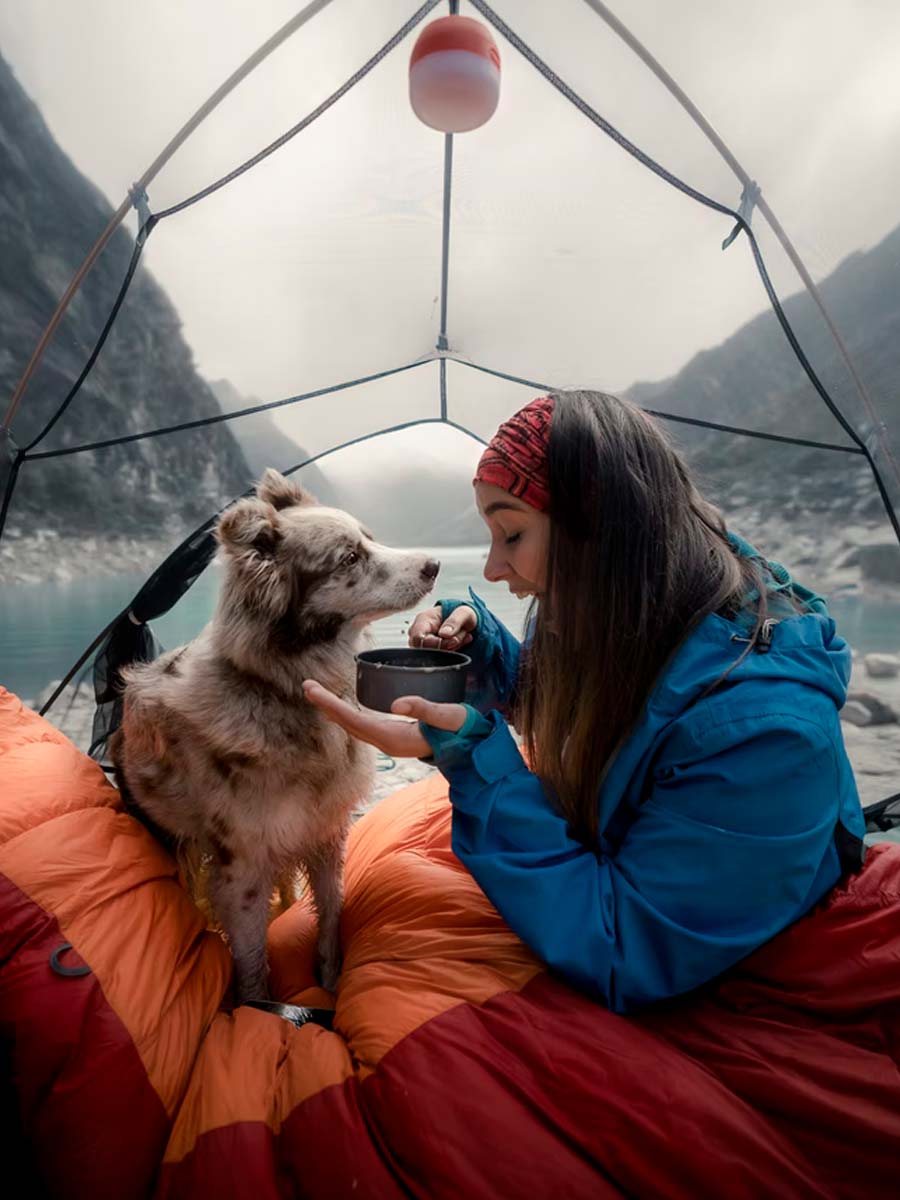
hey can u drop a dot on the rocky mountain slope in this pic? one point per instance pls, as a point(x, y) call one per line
point(828, 502)
point(264, 445)
point(424, 503)
point(50, 215)
point(810, 505)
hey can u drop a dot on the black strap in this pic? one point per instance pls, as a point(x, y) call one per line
point(67, 972)
point(297, 1014)
point(851, 850)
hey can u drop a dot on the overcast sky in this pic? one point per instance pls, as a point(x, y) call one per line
point(571, 264)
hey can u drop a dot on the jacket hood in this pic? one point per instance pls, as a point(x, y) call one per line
point(805, 651)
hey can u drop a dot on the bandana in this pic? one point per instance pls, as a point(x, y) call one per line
point(516, 459)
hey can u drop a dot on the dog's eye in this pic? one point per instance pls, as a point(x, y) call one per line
point(350, 559)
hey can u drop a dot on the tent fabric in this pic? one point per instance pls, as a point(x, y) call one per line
point(538, 247)
point(457, 1065)
point(374, 214)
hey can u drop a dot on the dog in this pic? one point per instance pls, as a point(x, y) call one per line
point(218, 749)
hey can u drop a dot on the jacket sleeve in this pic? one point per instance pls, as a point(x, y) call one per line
point(494, 652)
point(734, 843)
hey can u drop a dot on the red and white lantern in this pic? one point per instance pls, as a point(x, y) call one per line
point(454, 75)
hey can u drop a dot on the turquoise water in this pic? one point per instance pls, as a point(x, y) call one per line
point(45, 627)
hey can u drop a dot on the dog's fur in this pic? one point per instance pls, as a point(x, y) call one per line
point(218, 747)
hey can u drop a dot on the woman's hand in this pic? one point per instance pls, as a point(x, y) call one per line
point(428, 632)
point(400, 740)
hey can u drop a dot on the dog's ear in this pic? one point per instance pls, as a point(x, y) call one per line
point(249, 526)
point(281, 493)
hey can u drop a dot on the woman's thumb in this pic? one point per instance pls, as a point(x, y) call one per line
point(459, 619)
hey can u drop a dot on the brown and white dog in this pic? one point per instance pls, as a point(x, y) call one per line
point(218, 748)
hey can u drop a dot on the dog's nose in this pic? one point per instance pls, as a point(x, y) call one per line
point(431, 568)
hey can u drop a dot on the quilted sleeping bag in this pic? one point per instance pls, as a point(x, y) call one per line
point(457, 1067)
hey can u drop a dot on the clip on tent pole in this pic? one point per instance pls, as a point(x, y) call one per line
point(749, 197)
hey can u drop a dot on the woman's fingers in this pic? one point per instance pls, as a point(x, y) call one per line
point(428, 632)
point(454, 643)
point(442, 716)
point(399, 739)
point(424, 628)
point(461, 621)
point(360, 724)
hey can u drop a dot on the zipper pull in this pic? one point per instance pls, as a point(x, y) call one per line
point(764, 640)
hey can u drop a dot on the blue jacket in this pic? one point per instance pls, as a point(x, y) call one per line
point(717, 818)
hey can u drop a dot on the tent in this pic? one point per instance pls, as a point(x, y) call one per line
point(387, 279)
point(432, 280)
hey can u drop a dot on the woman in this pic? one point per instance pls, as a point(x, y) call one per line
point(687, 794)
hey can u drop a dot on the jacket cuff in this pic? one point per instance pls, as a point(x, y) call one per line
point(449, 747)
point(487, 758)
point(496, 755)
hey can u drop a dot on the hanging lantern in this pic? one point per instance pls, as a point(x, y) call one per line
point(454, 75)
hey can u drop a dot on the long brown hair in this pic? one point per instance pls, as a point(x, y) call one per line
point(636, 559)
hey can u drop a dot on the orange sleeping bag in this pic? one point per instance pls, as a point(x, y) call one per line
point(457, 1066)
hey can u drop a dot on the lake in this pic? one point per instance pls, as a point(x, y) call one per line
point(45, 627)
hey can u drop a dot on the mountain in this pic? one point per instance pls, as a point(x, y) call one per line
point(264, 445)
point(50, 215)
point(754, 380)
point(145, 377)
point(429, 504)
point(426, 505)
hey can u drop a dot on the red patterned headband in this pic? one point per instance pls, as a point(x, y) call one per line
point(516, 459)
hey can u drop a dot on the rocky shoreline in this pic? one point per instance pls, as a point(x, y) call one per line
point(856, 563)
point(47, 556)
point(843, 558)
point(870, 722)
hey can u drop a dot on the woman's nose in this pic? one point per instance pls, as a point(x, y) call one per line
point(493, 568)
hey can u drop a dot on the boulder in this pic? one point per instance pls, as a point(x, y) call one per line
point(849, 559)
point(855, 713)
point(880, 562)
point(879, 712)
point(882, 666)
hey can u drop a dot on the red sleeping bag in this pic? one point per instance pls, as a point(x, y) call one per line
point(457, 1067)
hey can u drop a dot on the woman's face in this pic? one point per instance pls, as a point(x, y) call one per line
point(520, 537)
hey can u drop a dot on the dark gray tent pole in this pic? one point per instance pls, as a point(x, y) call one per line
point(746, 182)
point(442, 342)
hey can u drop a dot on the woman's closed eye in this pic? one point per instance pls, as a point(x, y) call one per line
point(512, 539)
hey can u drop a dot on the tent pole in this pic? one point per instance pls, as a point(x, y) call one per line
point(761, 203)
point(250, 64)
